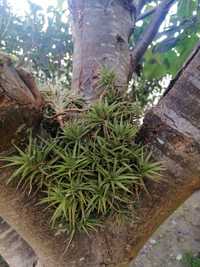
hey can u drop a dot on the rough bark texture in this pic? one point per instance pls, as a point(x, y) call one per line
point(31, 222)
point(20, 103)
point(20, 108)
point(101, 31)
point(172, 128)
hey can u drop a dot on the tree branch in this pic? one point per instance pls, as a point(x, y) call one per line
point(175, 137)
point(151, 31)
point(20, 103)
point(146, 14)
point(139, 6)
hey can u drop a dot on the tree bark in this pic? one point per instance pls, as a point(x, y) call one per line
point(20, 103)
point(20, 108)
point(101, 33)
point(172, 129)
point(101, 30)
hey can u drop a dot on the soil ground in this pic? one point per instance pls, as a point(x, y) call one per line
point(178, 235)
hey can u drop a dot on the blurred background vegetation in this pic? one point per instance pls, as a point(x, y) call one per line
point(41, 40)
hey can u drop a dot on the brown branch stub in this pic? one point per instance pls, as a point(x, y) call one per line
point(68, 114)
point(29, 81)
point(20, 102)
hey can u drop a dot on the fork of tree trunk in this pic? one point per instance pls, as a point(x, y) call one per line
point(101, 34)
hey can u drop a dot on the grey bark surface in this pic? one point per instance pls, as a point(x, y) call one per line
point(101, 32)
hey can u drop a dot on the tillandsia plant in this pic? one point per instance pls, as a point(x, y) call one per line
point(92, 168)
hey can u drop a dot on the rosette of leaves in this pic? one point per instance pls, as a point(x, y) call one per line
point(93, 168)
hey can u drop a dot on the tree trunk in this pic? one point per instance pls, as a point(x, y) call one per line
point(101, 30)
point(172, 128)
point(20, 108)
point(101, 33)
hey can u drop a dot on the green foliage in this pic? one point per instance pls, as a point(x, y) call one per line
point(107, 78)
point(41, 41)
point(30, 164)
point(92, 169)
point(190, 260)
point(147, 92)
point(174, 41)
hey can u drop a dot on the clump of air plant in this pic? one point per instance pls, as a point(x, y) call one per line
point(93, 168)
